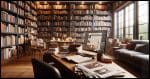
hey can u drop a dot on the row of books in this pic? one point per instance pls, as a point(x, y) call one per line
point(87, 6)
point(90, 29)
point(20, 11)
point(43, 29)
point(8, 28)
point(98, 6)
point(44, 17)
point(4, 5)
point(31, 30)
point(87, 17)
point(53, 12)
point(81, 6)
point(33, 12)
point(33, 5)
point(27, 7)
point(47, 23)
point(12, 7)
point(7, 17)
point(60, 12)
point(44, 34)
point(29, 15)
point(97, 12)
point(52, 7)
point(81, 23)
point(95, 17)
point(33, 24)
point(83, 29)
point(30, 36)
point(60, 7)
point(21, 3)
point(21, 39)
point(9, 6)
point(62, 23)
point(20, 21)
point(8, 53)
point(90, 23)
point(101, 23)
point(8, 40)
point(28, 2)
point(83, 12)
point(73, 6)
point(57, 17)
point(60, 29)
point(20, 30)
point(44, 12)
point(30, 23)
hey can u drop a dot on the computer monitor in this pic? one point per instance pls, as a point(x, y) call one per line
point(95, 41)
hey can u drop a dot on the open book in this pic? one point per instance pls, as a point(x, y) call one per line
point(98, 69)
point(78, 58)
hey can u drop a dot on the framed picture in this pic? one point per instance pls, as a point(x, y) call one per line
point(95, 41)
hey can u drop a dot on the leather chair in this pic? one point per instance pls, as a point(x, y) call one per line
point(44, 70)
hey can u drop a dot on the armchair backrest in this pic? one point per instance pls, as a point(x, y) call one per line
point(44, 70)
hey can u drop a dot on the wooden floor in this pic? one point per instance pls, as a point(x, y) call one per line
point(22, 68)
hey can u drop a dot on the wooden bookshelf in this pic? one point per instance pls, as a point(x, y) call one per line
point(13, 25)
point(72, 19)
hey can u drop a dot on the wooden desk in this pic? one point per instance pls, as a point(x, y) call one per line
point(69, 66)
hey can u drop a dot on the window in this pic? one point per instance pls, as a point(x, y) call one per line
point(143, 18)
point(129, 21)
point(124, 21)
point(121, 23)
point(115, 25)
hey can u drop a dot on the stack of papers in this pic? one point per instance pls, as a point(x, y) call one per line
point(98, 70)
point(78, 58)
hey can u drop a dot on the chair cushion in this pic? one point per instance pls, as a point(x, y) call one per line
point(131, 46)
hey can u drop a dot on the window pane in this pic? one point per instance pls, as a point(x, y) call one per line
point(115, 25)
point(144, 36)
point(143, 28)
point(142, 2)
point(130, 37)
point(131, 30)
point(127, 31)
point(143, 19)
point(143, 10)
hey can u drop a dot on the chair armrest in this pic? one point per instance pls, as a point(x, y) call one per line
point(51, 63)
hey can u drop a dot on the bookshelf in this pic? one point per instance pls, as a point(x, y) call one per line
point(72, 19)
point(53, 21)
point(30, 20)
point(13, 29)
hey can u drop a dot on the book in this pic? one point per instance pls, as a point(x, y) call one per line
point(3, 27)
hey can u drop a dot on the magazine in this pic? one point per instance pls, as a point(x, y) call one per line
point(99, 69)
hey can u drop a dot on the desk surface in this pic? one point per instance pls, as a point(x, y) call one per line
point(71, 65)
